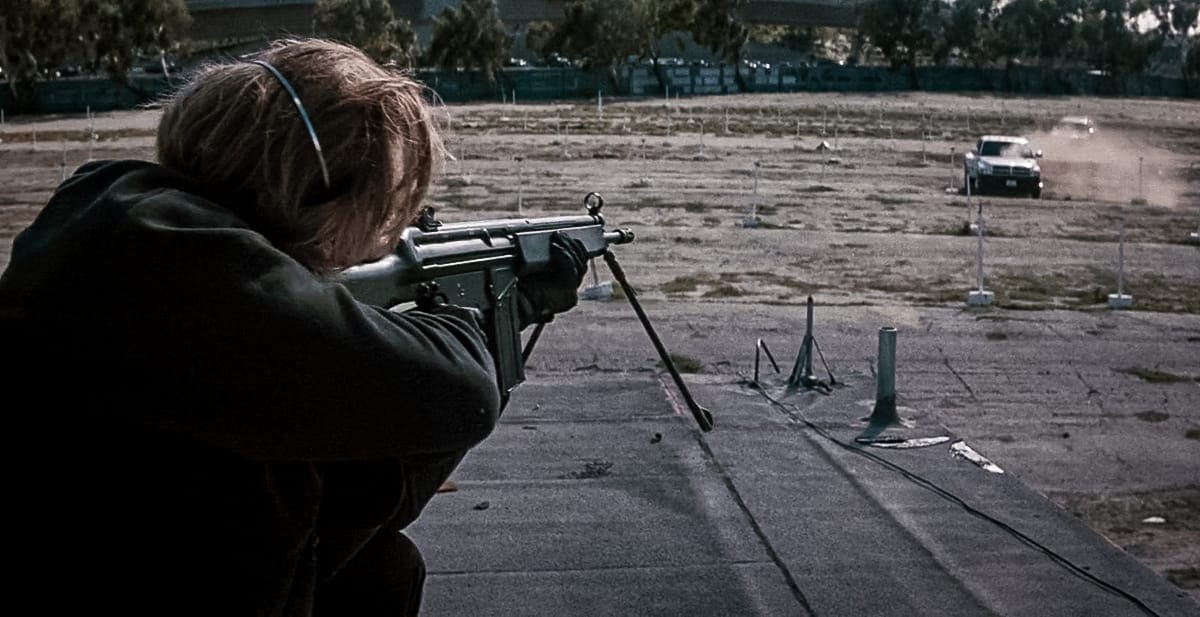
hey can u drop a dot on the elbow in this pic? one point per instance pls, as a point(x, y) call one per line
point(476, 414)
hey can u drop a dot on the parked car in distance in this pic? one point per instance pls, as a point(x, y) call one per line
point(1003, 164)
point(1075, 127)
point(158, 67)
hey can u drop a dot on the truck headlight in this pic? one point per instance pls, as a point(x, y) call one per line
point(984, 168)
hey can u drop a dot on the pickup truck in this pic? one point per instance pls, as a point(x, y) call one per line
point(1003, 164)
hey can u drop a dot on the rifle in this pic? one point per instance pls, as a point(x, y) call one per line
point(477, 265)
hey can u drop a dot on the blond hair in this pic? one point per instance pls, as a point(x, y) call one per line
point(235, 127)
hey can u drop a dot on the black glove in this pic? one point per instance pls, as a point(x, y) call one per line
point(540, 296)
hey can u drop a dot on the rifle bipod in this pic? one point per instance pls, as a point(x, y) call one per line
point(703, 416)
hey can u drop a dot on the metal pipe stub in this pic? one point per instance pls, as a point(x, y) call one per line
point(884, 412)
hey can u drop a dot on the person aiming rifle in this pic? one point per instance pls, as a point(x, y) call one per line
point(227, 430)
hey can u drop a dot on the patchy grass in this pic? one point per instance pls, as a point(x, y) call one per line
point(1192, 433)
point(1151, 416)
point(996, 335)
point(736, 284)
point(960, 229)
point(683, 364)
point(1185, 577)
point(1021, 290)
point(682, 284)
point(1150, 375)
point(723, 291)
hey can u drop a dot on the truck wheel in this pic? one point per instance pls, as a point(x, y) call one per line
point(1037, 193)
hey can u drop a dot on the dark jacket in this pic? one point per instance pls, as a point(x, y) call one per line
point(198, 406)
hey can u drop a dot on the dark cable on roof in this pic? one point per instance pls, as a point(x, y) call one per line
point(795, 415)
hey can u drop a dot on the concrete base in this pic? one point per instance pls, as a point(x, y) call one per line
point(1120, 301)
point(751, 221)
point(980, 297)
point(599, 291)
point(1194, 237)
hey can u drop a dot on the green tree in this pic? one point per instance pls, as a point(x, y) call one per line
point(655, 20)
point(371, 26)
point(905, 32)
point(470, 37)
point(406, 49)
point(34, 35)
point(1191, 63)
point(600, 34)
point(970, 30)
point(538, 36)
point(115, 34)
point(1113, 43)
point(37, 35)
point(793, 38)
point(718, 25)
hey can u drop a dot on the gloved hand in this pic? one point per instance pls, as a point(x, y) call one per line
point(540, 296)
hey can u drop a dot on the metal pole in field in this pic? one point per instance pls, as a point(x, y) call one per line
point(979, 296)
point(1141, 199)
point(1121, 260)
point(91, 132)
point(1120, 299)
point(979, 253)
point(520, 185)
point(64, 160)
point(752, 219)
point(953, 182)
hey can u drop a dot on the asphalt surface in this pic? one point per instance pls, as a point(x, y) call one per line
point(599, 495)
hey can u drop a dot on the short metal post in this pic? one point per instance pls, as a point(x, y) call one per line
point(1121, 260)
point(979, 296)
point(979, 253)
point(1141, 197)
point(953, 182)
point(885, 380)
point(802, 374)
point(1120, 300)
point(520, 185)
point(752, 220)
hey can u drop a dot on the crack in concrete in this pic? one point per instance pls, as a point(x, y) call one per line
point(946, 361)
point(1092, 392)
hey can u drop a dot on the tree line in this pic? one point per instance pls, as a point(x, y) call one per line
point(1114, 37)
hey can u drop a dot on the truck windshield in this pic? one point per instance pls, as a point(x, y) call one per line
point(1002, 148)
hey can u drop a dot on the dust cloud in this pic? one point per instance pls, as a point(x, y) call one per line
point(1114, 166)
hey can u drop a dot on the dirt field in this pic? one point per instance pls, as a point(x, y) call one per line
point(763, 200)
